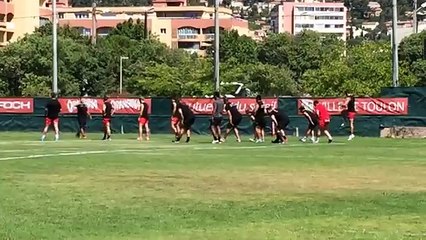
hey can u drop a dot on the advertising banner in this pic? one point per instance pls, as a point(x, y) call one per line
point(204, 106)
point(94, 105)
point(16, 105)
point(363, 106)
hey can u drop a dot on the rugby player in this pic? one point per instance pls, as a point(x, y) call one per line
point(253, 120)
point(187, 120)
point(52, 110)
point(175, 119)
point(82, 115)
point(312, 124)
point(143, 120)
point(279, 121)
point(259, 116)
point(323, 120)
point(234, 119)
point(216, 119)
point(107, 113)
point(350, 109)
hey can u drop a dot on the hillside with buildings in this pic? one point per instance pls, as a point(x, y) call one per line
point(174, 22)
point(189, 24)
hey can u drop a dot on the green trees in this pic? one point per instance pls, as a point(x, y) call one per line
point(411, 52)
point(307, 63)
point(364, 70)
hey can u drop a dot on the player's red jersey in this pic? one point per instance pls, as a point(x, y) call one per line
point(322, 112)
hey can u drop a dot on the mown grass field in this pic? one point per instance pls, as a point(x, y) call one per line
point(88, 189)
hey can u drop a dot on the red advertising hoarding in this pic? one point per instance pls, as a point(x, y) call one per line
point(16, 105)
point(120, 105)
point(363, 106)
point(204, 106)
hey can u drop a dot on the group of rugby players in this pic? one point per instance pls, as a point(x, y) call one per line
point(183, 118)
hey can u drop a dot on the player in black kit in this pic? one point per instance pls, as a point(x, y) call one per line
point(312, 124)
point(259, 119)
point(280, 121)
point(107, 112)
point(216, 118)
point(350, 108)
point(82, 115)
point(234, 119)
point(187, 120)
point(52, 110)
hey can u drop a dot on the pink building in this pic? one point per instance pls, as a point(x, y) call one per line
point(323, 17)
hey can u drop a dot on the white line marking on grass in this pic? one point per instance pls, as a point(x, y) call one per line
point(52, 155)
point(34, 156)
point(46, 141)
point(13, 151)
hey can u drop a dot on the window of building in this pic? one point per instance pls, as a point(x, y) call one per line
point(109, 15)
point(338, 26)
point(61, 15)
point(304, 25)
point(327, 26)
point(328, 17)
point(85, 31)
point(82, 15)
point(163, 31)
point(188, 31)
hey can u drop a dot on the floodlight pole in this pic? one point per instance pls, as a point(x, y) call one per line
point(121, 73)
point(55, 47)
point(395, 67)
point(216, 45)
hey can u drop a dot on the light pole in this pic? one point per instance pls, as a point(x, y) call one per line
point(55, 48)
point(395, 66)
point(216, 45)
point(121, 73)
point(416, 10)
point(121, 84)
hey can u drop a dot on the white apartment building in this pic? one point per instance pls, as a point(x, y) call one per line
point(325, 18)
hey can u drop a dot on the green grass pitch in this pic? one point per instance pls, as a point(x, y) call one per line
point(88, 189)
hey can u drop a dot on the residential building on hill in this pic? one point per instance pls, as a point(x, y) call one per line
point(17, 17)
point(174, 23)
point(323, 17)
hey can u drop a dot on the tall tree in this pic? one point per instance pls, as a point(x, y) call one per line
point(236, 48)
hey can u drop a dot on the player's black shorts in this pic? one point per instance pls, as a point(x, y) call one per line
point(82, 122)
point(216, 121)
point(260, 122)
point(312, 126)
point(187, 123)
point(282, 125)
point(235, 122)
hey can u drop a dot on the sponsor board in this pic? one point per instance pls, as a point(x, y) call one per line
point(16, 105)
point(94, 105)
point(363, 106)
point(204, 106)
